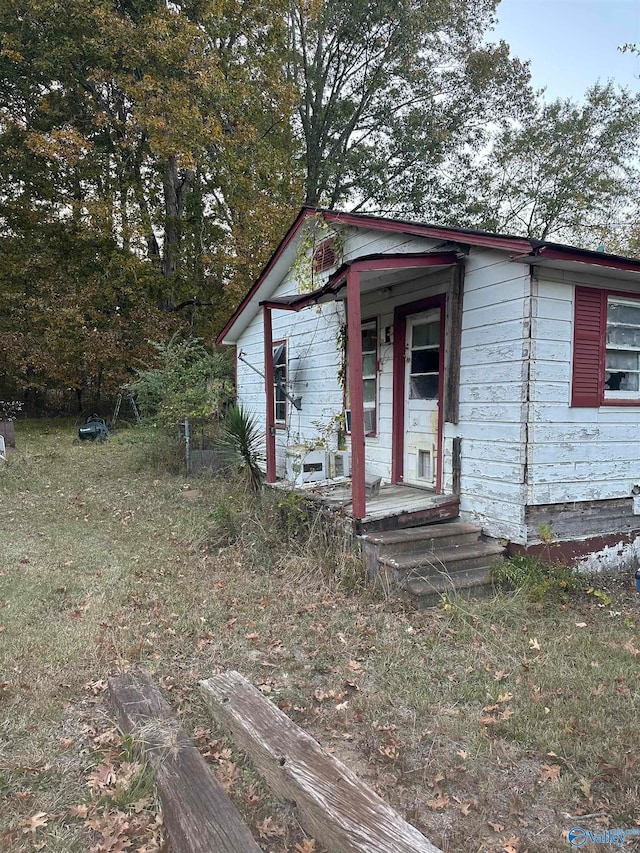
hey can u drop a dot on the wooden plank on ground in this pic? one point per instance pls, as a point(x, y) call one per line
point(336, 807)
point(198, 814)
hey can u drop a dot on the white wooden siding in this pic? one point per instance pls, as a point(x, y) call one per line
point(495, 330)
point(574, 454)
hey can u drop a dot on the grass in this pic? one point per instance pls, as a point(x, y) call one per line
point(493, 725)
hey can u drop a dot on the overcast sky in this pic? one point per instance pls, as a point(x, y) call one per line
point(572, 43)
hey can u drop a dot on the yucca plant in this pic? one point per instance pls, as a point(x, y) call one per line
point(242, 439)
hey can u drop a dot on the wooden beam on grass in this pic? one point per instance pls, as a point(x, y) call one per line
point(198, 814)
point(334, 806)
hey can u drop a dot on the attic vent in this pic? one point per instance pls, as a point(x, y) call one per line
point(324, 256)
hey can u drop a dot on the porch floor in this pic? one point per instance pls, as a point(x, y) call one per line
point(395, 506)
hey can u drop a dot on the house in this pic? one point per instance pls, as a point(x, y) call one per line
point(495, 375)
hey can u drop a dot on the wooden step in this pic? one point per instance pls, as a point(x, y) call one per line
point(467, 580)
point(430, 537)
point(451, 560)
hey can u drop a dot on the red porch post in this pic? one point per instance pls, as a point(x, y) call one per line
point(354, 346)
point(269, 396)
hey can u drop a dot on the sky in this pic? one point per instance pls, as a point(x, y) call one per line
point(572, 43)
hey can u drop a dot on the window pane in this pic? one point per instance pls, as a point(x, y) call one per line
point(425, 361)
point(426, 334)
point(369, 364)
point(369, 421)
point(281, 412)
point(423, 388)
point(620, 360)
point(369, 390)
point(625, 336)
point(618, 312)
point(620, 381)
point(369, 340)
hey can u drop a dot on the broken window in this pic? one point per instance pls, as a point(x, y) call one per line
point(622, 359)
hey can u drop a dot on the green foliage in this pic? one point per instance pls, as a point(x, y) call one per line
point(147, 172)
point(188, 382)
point(10, 409)
point(387, 90)
point(295, 515)
point(315, 230)
point(243, 440)
point(539, 580)
point(567, 171)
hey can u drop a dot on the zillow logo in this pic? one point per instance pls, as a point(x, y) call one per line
point(578, 837)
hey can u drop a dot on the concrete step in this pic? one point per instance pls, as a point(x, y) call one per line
point(452, 560)
point(430, 537)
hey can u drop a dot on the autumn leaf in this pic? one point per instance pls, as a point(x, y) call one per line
point(534, 644)
point(631, 648)
point(34, 823)
point(439, 802)
point(268, 828)
point(78, 811)
point(550, 772)
point(307, 846)
point(496, 827)
point(102, 777)
point(499, 675)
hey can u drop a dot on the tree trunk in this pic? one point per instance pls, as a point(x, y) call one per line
point(175, 190)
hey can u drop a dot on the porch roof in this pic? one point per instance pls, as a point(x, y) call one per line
point(402, 266)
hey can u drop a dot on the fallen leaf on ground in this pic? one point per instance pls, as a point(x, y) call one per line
point(549, 772)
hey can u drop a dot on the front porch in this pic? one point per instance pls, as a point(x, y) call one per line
point(393, 507)
point(411, 386)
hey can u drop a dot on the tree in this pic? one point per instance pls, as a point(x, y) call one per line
point(567, 173)
point(130, 131)
point(388, 90)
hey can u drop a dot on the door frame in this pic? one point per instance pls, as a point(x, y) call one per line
point(399, 390)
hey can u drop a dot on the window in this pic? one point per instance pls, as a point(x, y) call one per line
point(606, 348)
point(280, 381)
point(424, 377)
point(622, 354)
point(369, 379)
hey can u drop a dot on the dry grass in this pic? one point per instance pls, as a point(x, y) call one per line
point(492, 725)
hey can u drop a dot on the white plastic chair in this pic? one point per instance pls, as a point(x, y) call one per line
point(3, 452)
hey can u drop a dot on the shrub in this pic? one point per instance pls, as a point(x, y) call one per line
point(188, 382)
point(539, 580)
point(242, 439)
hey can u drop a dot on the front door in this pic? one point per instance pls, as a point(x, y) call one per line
point(422, 391)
